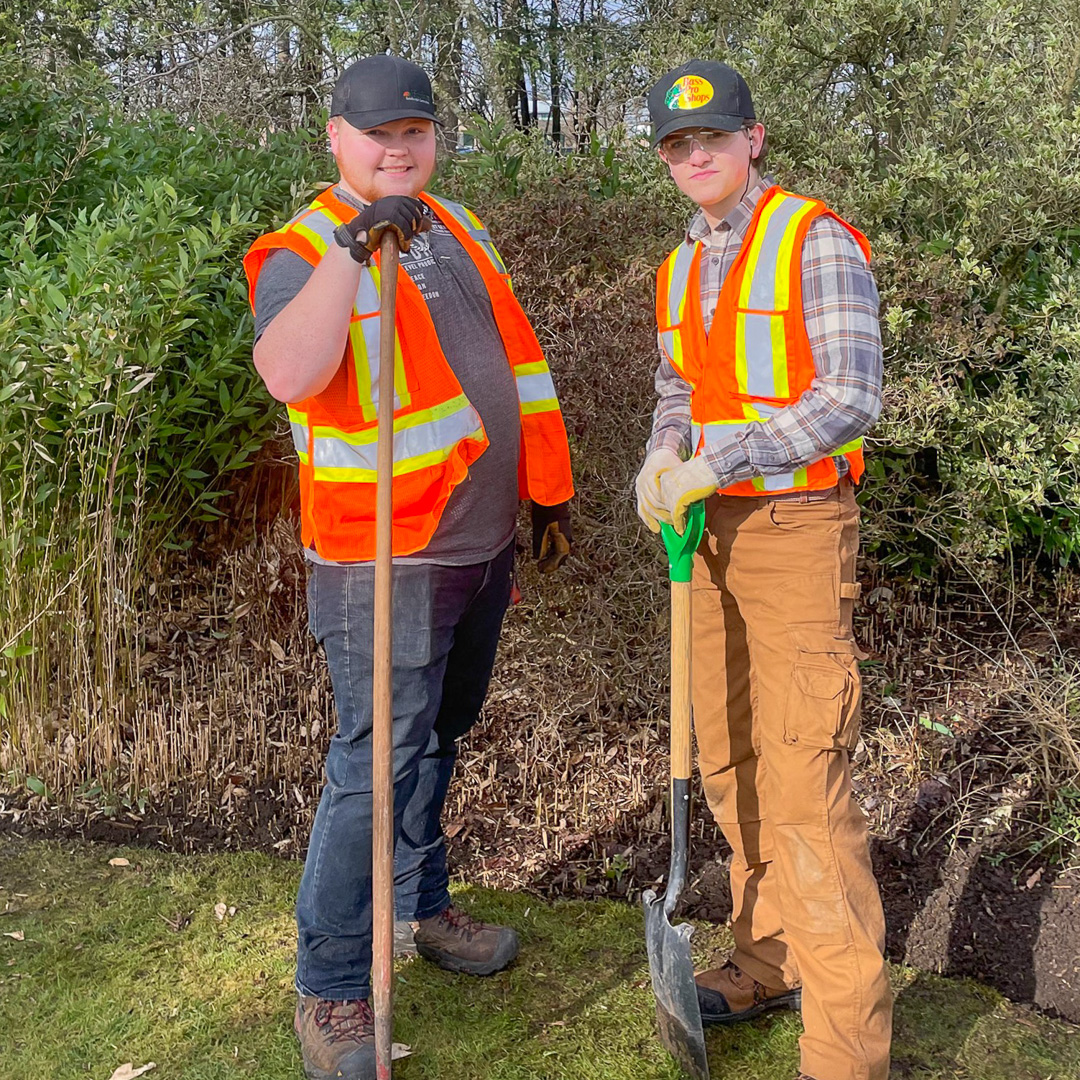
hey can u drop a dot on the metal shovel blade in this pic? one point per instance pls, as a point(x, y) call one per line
point(678, 1014)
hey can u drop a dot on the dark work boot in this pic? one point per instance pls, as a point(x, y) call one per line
point(457, 942)
point(727, 995)
point(337, 1038)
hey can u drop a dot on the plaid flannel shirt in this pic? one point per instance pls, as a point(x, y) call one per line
point(840, 305)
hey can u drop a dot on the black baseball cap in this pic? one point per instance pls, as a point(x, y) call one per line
point(700, 94)
point(382, 88)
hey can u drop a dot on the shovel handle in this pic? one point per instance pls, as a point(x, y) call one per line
point(680, 549)
point(382, 748)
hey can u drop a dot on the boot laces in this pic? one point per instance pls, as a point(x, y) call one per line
point(340, 1020)
point(462, 923)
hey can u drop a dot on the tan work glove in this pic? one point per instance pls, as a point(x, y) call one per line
point(650, 507)
point(691, 482)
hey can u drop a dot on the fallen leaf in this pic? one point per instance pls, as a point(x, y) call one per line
point(128, 1071)
point(119, 862)
point(220, 911)
point(277, 651)
point(16, 935)
point(399, 1050)
point(1034, 879)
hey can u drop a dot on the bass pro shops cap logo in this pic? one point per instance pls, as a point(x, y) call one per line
point(690, 92)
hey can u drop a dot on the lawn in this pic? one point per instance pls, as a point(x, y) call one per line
point(187, 962)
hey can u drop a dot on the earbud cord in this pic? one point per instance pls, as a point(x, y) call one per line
point(749, 163)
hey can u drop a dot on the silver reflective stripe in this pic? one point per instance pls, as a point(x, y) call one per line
point(680, 277)
point(778, 483)
point(409, 442)
point(367, 293)
point(299, 437)
point(718, 433)
point(537, 387)
point(763, 287)
point(477, 233)
point(760, 366)
point(322, 224)
point(367, 300)
point(695, 436)
point(667, 342)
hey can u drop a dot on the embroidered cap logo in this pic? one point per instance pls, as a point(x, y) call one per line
point(690, 92)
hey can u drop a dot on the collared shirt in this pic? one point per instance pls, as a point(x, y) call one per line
point(840, 306)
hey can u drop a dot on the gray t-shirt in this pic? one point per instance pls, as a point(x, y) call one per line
point(478, 520)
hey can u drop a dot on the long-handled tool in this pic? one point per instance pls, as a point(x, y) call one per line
point(678, 1014)
point(382, 847)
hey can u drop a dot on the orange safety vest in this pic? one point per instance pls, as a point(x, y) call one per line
point(756, 358)
point(437, 432)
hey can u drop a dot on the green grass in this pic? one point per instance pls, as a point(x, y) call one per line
point(131, 964)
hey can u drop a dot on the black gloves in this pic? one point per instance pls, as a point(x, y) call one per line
point(552, 536)
point(361, 236)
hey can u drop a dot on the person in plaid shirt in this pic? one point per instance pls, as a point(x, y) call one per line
point(770, 374)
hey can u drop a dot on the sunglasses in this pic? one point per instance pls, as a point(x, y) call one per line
point(678, 148)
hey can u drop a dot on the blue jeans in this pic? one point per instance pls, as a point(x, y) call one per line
point(447, 621)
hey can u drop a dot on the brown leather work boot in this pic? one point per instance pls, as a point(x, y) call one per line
point(457, 942)
point(727, 995)
point(337, 1038)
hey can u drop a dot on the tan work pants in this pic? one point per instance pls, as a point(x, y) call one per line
point(776, 714)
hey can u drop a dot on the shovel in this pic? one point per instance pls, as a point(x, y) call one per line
point(677, 1012)
point(382, 749)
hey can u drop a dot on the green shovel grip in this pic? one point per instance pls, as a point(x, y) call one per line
point(680, 549)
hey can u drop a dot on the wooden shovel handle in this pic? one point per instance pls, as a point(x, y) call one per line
point(680, 680)
point(382, 748)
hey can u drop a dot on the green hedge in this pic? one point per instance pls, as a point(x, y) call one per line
point(125, 366)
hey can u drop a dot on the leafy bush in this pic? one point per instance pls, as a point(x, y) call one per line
point(127, 350)
point(127, 394)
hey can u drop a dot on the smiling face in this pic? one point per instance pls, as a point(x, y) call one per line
point(715, 178)
point(395, 158)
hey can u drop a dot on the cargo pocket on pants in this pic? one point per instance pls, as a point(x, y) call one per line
point(823, 698)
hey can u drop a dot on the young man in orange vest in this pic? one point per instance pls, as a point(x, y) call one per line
point(770, 374)
point(476, 426)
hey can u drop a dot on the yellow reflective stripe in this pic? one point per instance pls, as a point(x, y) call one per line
point(755, 251)
point(677, 350)
point(742, 373)
point(783, 260)
point(547, 405)
point(847, 448)
point(401, 423)
point(536, 367)
point(779, 357)
point(316, 241)
point(401, 387)
point(362, 368)
point(323, 209)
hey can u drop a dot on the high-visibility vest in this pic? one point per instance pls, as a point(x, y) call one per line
point(437, 432)
point(756, 358)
